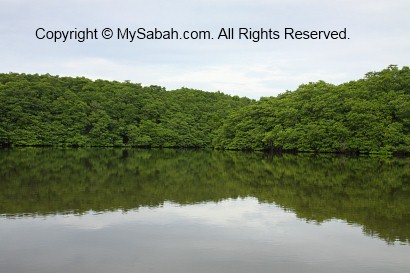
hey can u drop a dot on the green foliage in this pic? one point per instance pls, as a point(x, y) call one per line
point(49, 110)
point(371, 115)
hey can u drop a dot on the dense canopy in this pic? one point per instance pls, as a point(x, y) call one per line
point(370, 115)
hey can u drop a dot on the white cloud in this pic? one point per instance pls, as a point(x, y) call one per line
point(378, 31)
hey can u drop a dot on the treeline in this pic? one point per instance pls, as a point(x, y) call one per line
point(51, 110)
point(370, 115)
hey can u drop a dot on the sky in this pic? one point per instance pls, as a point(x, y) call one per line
point(378, 32)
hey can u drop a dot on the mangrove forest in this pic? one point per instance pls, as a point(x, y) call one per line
point(369, 115)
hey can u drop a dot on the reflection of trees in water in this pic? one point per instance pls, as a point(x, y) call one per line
point(371, 192)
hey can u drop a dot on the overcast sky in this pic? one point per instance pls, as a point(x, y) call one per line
point(379, 32)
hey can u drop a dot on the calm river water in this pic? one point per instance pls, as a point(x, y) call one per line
point(116, 210)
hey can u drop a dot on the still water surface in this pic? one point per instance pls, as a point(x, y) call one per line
point(114, 210)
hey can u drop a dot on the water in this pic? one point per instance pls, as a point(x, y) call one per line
point(114, 210)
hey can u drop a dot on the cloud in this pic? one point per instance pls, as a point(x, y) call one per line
point(378, 31)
